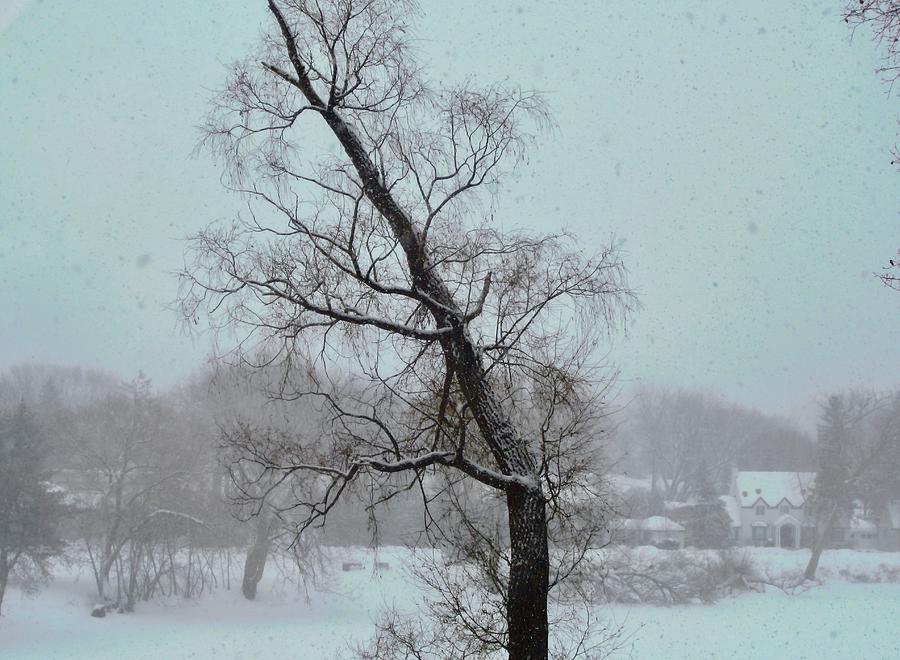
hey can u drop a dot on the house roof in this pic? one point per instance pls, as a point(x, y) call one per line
point(773, 487)
point(77, 498)
point(672, 505)
point(625, 482)
point(629, 523)
point(733, 509)
point(660, 524)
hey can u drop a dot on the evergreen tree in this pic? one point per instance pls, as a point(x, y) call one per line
point(832, 495)
point(707, 522)
point(29, 510)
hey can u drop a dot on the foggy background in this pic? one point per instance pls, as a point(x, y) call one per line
point(738, 150)
point(735, 469)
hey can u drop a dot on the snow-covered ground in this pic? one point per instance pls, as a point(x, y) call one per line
point(839, 619)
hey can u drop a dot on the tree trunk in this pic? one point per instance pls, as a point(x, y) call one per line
point(102, 577)
point(255, 564)
point(819, 545)
point(813, 565)
point(4, 575)
point(530, 566)
point(529, 575)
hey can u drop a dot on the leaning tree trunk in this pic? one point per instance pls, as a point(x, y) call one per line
point(4, 575)
point(529, 575)
point(813, 565)
point(255, 564)
point(529, 569)
point(819, 545)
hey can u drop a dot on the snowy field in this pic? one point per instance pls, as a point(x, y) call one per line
point(839, 619)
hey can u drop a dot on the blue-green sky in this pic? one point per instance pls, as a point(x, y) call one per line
point(740, 151)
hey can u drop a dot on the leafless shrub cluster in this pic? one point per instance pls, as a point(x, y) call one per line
point(672, 577)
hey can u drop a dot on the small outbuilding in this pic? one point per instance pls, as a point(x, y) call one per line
point(661, 531)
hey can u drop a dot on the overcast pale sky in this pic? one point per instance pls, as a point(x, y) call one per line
point(740, 151)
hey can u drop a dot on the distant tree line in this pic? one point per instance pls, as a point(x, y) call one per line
point(686, 442)
point(136, 483)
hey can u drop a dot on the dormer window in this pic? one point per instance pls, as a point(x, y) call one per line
point(759, 491)
point(760, 509)
point(785, 508)
point(743, 493)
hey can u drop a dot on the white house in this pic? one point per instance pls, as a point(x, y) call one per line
point(770, 508)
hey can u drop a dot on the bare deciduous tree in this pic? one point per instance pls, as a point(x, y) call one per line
point(127, 451)
point(475, 345)
point(883, 18)
point(678, 430)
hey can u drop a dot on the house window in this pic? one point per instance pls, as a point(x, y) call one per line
point(785, 508)
point(760, 510)
point(759, 533)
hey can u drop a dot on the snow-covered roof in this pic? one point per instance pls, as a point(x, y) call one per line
point(733, 509)
point(625, 482)
point(79, 499)
point(660, 524)
point(629, 523)
point(773, 487)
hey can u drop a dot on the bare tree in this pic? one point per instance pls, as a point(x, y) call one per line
point(676, 431)
point(127, 451)
point(686, 438)
point(265, 500)
point(475, 345)
point(54, 385)
point(883, 18)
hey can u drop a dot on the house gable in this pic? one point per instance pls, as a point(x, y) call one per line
point(785, 500)
point(772, 488)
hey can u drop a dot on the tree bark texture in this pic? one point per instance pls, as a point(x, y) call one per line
point(529, 575)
